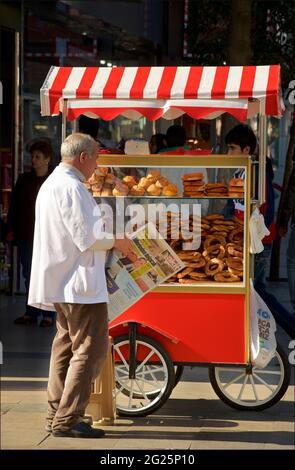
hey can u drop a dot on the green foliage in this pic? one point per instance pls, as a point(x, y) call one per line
point(277, 44)
point(272, 43)
point(208, 27)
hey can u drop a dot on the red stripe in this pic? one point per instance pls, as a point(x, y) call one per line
point(272, 91)
point(247, 81)
point(86, 82)
point(193, 82)
point(166, 83)
point(155, 113)
point(220, 81)
point(55, 92)
point(113, 82)
point(139, 83)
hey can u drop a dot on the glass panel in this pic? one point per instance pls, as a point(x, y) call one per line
point(200, 218)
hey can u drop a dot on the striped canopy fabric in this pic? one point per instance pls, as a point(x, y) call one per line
point(154, 92)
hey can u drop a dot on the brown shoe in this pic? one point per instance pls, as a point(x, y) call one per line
point(46, 322)
point(25, 320)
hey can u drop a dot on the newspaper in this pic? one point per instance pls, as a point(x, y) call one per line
point(130, 278)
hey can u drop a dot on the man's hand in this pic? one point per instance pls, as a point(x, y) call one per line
point(124, 245)
point(283, 231)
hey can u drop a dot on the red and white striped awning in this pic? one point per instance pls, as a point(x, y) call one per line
point(154, 92)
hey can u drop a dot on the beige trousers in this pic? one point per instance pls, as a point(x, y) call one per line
point(78, 352)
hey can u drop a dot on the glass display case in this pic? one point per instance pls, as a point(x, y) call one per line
point(176, 191)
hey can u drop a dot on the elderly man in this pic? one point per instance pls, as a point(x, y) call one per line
point(68, 274)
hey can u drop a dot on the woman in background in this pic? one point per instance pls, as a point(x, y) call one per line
point(21, 221)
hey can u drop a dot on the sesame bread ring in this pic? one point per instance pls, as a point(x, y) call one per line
point(224, 222)
point(222, 228)
point(199, 260)
point(218, 234)
point(183, 255)
point(235, 263)
point(236, 235)
point(189, 281)
point(234, 249)
point(214, 251)
point(214, 216)
point(213, 240)
point(238, 221)
point(214, 266)
point(235, 272)
point(184, 272)
point(226, 276)
point(198, 275)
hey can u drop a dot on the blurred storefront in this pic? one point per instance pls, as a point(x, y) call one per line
point(10, 119)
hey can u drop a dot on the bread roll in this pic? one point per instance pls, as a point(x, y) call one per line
point(153, 190)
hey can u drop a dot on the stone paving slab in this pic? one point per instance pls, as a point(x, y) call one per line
point(209, 424)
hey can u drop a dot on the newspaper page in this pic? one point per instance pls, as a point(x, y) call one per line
point(151, 262)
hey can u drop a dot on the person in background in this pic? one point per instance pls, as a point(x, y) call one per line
point(241, 140)
point(157, 143)
point(91, 127)
point(21, 220)
point(176, 145)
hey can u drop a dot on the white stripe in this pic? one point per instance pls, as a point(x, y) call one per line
point(99, 82)
point(105, 103)
point(44, 92)
point(233, 82)
point(180, 81)
point(73, 82)
point(153, 82)
point(206, 83)
point(126, 103)
point(123, 90)
point(260, 81)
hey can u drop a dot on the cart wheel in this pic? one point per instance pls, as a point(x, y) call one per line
point(252, 388)
point(178, 370)
point(154, 376)
point(178, 374)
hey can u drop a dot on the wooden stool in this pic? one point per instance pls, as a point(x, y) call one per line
point(102, 403)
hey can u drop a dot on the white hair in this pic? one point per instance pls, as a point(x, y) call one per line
point(75, 144)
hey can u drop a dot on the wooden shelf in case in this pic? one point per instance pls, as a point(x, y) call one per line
point(168, 197)
point(203, 288)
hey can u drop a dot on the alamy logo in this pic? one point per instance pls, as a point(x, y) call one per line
point(292, 93)
point(292, 353)
point(1, 93)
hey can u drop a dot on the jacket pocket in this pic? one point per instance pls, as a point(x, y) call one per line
point(86, 281)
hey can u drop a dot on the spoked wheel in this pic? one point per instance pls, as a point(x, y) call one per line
point(252, 388)
point(178, 374)
point(154, 376)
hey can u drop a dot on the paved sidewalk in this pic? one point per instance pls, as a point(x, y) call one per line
point(193, 417)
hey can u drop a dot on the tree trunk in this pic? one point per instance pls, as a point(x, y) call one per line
point(275, 254)
point(239, 53)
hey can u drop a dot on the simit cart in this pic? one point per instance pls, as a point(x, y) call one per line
point(199, 323)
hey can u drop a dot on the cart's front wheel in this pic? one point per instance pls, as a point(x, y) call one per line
point(252, 388)
point(154, 376)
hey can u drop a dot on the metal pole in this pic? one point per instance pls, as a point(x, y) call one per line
point(262, 157)
point(64, 121)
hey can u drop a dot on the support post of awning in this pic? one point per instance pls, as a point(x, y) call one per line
point(262, 157)
point(64, 121)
